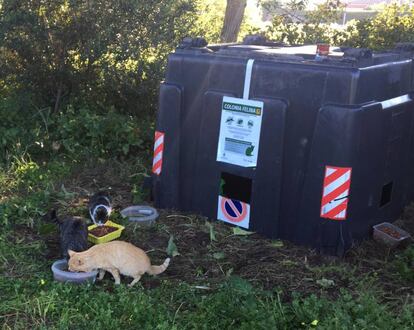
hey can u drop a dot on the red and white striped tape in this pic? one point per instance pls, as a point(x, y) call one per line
point(158, 151)
point(335, 197)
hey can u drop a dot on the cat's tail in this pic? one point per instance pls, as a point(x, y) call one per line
point(155, 270)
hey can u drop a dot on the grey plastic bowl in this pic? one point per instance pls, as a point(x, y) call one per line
point(140, 214)
point(61, 274)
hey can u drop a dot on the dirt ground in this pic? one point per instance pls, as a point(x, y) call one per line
point(274, 265)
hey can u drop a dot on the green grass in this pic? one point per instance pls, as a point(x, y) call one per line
point(327, 295)
point(42, 303)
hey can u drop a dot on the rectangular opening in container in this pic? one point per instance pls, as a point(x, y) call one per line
point(236, 187)
point(386, 194)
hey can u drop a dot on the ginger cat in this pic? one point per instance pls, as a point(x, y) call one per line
point(116, 257)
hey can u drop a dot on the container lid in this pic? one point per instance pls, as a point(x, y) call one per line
point(306, 54)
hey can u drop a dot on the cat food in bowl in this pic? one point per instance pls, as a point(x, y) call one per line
point(102, 230)
point(106, 233)
point(62, 274)
point(140, 214)
point(390, 235)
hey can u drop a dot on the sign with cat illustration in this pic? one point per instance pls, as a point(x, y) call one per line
point(241, 122)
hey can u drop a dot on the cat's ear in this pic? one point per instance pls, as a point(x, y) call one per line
point(71, 253)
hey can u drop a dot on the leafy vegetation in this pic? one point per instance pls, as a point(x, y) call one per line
point(78, 93)
point(404, 264)
point(75, 133)
point(33, 299)
point(235, 304)
point(105, 53)
point(209, 284)
point(392, 25)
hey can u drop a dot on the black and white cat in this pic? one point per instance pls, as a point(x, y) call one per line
point(100, 207)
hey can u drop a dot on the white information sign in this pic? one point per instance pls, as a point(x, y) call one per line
point(241, 121)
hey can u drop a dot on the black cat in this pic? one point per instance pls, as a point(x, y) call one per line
point(73, 233)
point(100, 207)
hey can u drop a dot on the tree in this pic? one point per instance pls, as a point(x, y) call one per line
point(232, 20)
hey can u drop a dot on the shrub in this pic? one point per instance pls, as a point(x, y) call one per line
point(392, 25)
point(74, 132)
point(102, 53)
point(84, 133)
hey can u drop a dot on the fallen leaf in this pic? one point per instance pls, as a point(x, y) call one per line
point(277, 244)
point(240, 232)
point(288, 263)
point(218, 255)
point(172, 248)
point(325, 283)
point(229, 272)
point(211, 231)
point(201, 287)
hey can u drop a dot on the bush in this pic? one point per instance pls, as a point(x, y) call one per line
point(392, 25)
point(101, 53)
point(73, 132)
point(84, 133)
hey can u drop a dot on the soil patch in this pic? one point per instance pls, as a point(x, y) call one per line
point(208, 256)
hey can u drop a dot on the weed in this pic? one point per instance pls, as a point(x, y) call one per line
point(404, 264)
point(27, 189)
point(211, 255)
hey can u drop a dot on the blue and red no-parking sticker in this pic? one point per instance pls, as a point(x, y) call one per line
point(233, 211)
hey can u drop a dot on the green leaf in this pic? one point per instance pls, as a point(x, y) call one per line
point(325, 283)
point(125, 149)
point(222, 183)
point(288, 263)
point(240, 285)
point(229, 272)
point(277, 244)
point(172, 248)
point(240, 232)
point(218, 255)
point(211, 231)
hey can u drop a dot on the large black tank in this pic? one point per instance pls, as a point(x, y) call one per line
point(336, 149)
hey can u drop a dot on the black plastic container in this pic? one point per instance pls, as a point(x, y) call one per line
point(346, 118)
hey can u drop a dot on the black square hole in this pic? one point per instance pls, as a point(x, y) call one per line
point(386, 194)
point(236, 187)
